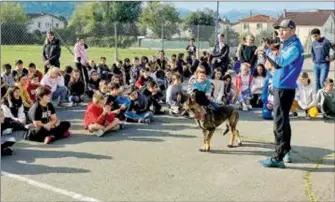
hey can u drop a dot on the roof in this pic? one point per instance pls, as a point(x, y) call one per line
point(314, 18)
point(36, 15)
point(259, 18)
point(224, 20)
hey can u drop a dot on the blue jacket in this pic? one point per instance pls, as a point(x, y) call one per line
point(265, 90)
point(205, 87)
point(320, 50)
point(290, 59)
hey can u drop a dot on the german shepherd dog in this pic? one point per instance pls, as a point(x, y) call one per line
point(208, 120)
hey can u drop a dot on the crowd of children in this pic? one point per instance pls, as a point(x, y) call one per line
point(135, 91)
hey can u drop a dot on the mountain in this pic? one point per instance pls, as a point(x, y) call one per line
point(183, 12)
point(56, 8)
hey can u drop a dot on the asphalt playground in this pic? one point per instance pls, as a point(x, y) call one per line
point(161, 162)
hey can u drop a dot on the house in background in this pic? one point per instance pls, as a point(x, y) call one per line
point(44, 22)
point(306, 21)
point(255, 25)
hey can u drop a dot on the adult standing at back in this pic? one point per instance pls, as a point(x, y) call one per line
point(248, 52)
point(320, 55)
point(220, 55)
point(51, 51)
point(81, 59)
point(288, 64)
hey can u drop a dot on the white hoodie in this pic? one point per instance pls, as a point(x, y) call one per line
point(306, 96)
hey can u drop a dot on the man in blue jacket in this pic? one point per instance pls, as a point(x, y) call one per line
point(320, 55)
point(288, 64)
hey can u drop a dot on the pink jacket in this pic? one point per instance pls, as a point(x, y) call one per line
point(80, 51)
point(239, 82)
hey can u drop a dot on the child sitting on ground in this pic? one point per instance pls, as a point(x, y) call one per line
point(76, 87)
point(138, 109)
point(67, 75)
point(305, 98)
point(6, 140)
point(267, 96)
point(326, 99)
point(46, 126)
point(135, 71)
point(19, 69)
point(204, 85)
point(13, 109)
point(174, 95)
point(257, 86)
point(103, 69)
point(33, 70)
point(243, 87)
point(143, 79)
point(236, 65)
point(21, 82)
point(32, 85)
point(103, 87)
point(120, 103)
point(98, 116)
point(228, 92)
point(93, 83)
point(218, 85)
point(153, 94)
point(8, 75)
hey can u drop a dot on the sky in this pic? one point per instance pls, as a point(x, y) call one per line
point(226, 6)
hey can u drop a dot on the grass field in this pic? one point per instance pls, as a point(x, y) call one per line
point(9, 54)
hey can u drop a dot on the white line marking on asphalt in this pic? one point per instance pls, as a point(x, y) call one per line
point(50, 188)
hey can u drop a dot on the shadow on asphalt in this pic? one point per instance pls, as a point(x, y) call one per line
point(316, 154)
point(13, 164)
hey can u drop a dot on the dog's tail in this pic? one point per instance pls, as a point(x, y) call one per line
point(227, 130)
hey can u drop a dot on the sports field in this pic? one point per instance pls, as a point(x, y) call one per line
point(31, 53)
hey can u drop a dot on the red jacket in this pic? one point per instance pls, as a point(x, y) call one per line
point(93, 114)
point(238, 84)
point(32, 91)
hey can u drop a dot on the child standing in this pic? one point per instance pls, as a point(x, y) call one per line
point(76, 87)
point(98, 116)
point(243, 87)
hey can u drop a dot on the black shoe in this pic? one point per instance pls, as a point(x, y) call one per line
point(6, 151)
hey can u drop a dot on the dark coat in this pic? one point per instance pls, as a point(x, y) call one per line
point(52, 51)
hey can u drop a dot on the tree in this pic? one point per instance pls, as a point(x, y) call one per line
point(13, 24)
point(206, 21)
point(157, 16)
point(12, 13)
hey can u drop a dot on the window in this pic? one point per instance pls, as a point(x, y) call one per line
point(38, 24)
point(57, 25)
point(259, 25)
point(245, 26)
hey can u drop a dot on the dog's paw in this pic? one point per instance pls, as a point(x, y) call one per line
point(205, 148)
point(230, 146)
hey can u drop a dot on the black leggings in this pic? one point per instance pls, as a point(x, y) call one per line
point(83, 72)
point(39, 134)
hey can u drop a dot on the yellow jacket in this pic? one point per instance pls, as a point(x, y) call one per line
point(24, 95)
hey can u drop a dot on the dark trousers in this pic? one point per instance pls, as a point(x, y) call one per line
point(153, 100)
point(39, 134)
point(83, 72)
point(256, 101)
point(283, 99)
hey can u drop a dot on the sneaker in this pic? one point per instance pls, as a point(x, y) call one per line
point(121, 125)
point(294, 115)
point(67, 134)
point(48, 139)
point(287, 158)
point(7, 131)
point(7, 151)
point(147, 121)
point(272, 163)
point(244, 108)
point(99, 133)
point(249, 106)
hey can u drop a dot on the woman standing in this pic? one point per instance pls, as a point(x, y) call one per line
point(81, 59)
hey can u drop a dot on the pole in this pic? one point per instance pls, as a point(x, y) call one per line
point(162, 37)
point(216, 22)
point(198, 33)
point(115, 36)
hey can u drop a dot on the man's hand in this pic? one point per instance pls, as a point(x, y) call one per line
point(46, 62)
